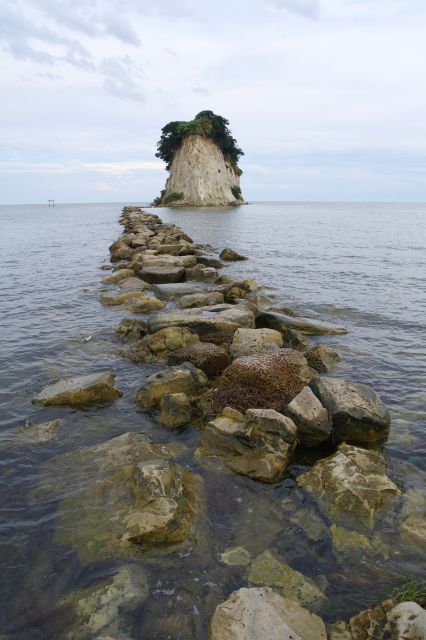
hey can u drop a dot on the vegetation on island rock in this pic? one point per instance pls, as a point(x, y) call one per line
point(205, 123)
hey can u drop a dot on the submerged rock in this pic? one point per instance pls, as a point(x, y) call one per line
point(175, 410)
point(247, 342)
point(108, 608)
point(269, 570)
point(96, 388)
point(351, 486)
point(258, 445)
point(230, 255)
point(357, 412)
point(180, 379)
point(262, 614)
point(176, 290)
point(322, 358)
point(208, 357)
point(311, 418)
point(125, 492)
point(38, 433)
point(235, 557)
point(282, 322)
point(222, 317)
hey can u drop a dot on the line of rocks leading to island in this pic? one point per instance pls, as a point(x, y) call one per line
point(240, 370)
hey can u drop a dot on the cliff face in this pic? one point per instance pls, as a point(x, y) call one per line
point(200, 172)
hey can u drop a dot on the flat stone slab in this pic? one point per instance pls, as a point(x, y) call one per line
point(281, 321)
point(96, 388)
point(158, 275)
point(174, 290)
point(247, 342)
point(357, 412)
point(224, 318)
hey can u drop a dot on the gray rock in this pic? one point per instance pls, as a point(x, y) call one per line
point(281, 322)
point(407, 621)
point(201, 273)
point(311, 418)
point(357, 412)
point(175, 290)
point(322, 358)
point(96, 388)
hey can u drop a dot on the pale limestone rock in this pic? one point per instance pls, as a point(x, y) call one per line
point(268, 570)
point(247, 342)
point(222, 317)
point(407, 621)
point(118, 276)
point(95, 388)
point(231, 255)
point(311, 418)
point(262, 614)
point(351, 486)
point(200, 171)
point(200, 300)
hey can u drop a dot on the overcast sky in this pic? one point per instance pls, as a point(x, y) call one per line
point(326, 97)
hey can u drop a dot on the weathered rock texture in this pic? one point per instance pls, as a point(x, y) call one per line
point(200, 172)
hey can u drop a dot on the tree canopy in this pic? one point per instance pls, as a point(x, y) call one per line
point(205, 123)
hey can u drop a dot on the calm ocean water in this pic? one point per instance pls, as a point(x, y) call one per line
point(358, 265)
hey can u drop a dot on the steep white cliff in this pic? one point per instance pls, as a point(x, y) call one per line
point(200, 172)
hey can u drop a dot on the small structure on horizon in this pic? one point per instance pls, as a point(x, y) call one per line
point(51, 203)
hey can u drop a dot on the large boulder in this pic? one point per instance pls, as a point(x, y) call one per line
point(351, 486)
point(158, 346)
point(262, 614)
point(210, 358)
point(131, 329)
point(268, 570)
point(258, 445)
point(311, 418)
point(356, 410)
point(285, 371)
point(134, 284)
point(118, 276)
point(159, 275)
point(248, 342)
point(201, 273)
point(176, 290)
point(407, 621)
point(119, 250)
point(181, 379)
point(222, 317)
point(282, 321)
point(175, 410)
point(322, 358)
point(107, 608)
point(96, 388)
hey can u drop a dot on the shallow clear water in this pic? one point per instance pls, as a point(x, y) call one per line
point(360, 265)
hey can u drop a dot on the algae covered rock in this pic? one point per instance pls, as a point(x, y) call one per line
point(235, 557)
point(356, 410)
point(131, 329)
point(262, 614)
point(200, 300)
point(247, 342)
point(282, 373)
point(258, 445)
point(107, 608)
point(351, 486)
point(311, 418)
point(96, 388)
point(269, 570)
point(158, 346)
point(180, 379)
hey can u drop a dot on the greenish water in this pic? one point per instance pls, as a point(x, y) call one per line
point(361, 265)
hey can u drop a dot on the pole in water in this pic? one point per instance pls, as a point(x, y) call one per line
point(51, 203)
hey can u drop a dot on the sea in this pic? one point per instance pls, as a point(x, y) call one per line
point(358, 265)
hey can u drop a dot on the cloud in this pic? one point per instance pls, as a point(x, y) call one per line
point(309, 8)
point(103, 186)
point(111, 168)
